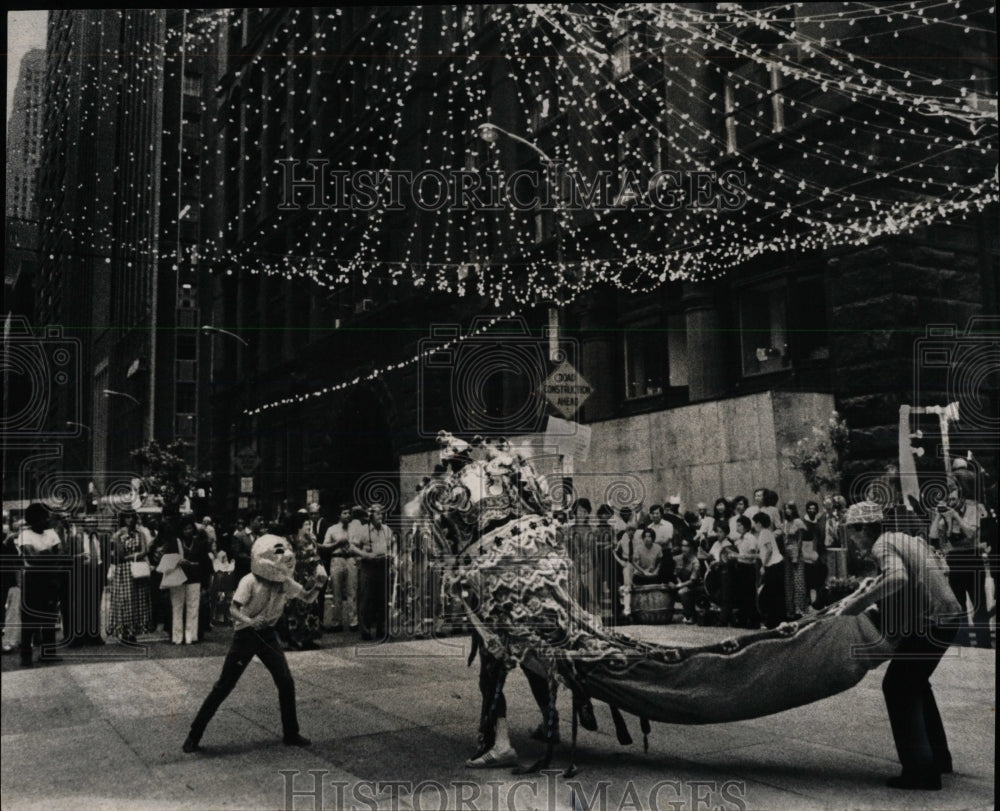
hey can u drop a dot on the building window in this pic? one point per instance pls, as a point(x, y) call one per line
point(639, 156)
point(677, 352)
point(764, 328)
point(644, 362)
point(811, 339)
point(186, 398)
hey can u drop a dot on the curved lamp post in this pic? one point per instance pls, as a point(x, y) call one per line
point(491, 133)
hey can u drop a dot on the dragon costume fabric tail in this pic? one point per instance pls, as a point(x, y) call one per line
point(753, 676)
point(507, 566)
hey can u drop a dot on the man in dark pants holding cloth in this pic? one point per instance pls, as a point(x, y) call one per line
point(919, 611)
point(256, 608)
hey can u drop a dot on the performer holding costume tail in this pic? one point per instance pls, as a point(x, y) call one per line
point(257, 606)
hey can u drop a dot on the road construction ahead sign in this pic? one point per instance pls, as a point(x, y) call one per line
point(567, 389)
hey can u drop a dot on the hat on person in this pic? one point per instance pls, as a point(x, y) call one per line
point(864, 512)
point(207, 519)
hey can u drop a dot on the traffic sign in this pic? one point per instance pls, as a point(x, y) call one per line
point(567, 389)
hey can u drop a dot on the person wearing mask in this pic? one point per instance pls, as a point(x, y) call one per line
point(917, 610)
point(258, 604)
point(39, 548)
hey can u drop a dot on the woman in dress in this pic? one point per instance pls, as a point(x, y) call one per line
point(131, 608)
point(796, 594)
point(300, 626)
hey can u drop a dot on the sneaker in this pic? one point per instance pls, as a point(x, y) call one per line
point(296, 740)
point(494, 759)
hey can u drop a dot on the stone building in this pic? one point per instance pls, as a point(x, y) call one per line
point(698, 388)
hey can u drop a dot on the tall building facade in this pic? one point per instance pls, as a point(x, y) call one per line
point(697, 388)
point(120, 192)
point(24, 137)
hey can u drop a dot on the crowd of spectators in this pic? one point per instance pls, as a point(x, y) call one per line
point(748, 562)
point(744, 562)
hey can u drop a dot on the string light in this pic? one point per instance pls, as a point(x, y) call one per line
point(839, 146)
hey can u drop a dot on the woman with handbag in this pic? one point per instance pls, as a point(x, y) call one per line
point(185, 598)
point(131, 609)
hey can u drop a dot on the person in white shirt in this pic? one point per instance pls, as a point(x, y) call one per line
point(748, 573)
point(343, 556)
point(772, 596)
point(258, 604)
point(706, 522)
point(373, 583)
point(663, 531)
point(39, 548)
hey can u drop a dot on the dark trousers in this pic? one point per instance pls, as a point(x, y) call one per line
point(372, 587)
point(913, 714)
point(967, 578)
point(746, 595)
point(816, 579)
point(266, 646)
point(82, 622)
point(325, 556)
point(772, 595)
point(39, 611)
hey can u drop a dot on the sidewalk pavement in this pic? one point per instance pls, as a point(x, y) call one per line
point(104, 730)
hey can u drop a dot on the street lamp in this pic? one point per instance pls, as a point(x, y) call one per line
point(219, 330)
point(491, 133)
point(110, 393)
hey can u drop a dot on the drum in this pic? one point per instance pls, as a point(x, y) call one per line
point(652, 605)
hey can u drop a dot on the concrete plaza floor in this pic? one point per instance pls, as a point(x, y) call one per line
point(104, 730)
